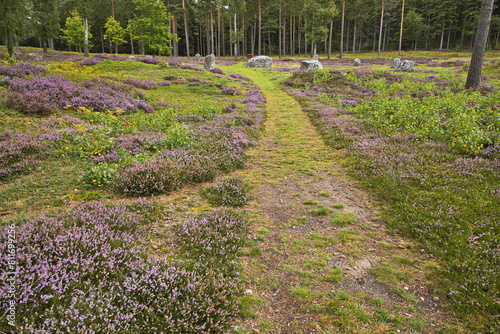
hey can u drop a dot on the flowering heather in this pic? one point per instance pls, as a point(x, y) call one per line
point(43, 95)
point(21, 70)
point(136, 144)
point(147, 84)
point(230, 192)
point(216, 71)
point(165, 174)
point(190, 119)
point(91, 61)
point(86, 271)
point(217, 235)
point(191, 67)
point(18, 153)
point(148, 60)
point(239, 76)
point(164, 83)
point(229, 91)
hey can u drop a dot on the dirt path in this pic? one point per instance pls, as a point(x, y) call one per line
point(306, 273)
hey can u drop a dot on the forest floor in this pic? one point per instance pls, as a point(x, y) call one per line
point(310, 274)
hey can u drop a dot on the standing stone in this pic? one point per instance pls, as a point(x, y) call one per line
point(35, 57)
point(406, 66)
point(315, 57)
point(395, 63)
point(209, 62)
point(310, 65)
point(197, 57)
point(260, 61)
point(357, 62)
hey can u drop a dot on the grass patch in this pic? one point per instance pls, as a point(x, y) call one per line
point(320, 211)
point(343, 218)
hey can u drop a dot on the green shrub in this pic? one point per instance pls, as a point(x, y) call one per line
point(230, 192)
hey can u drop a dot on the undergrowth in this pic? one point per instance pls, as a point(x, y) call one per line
point(429, 151)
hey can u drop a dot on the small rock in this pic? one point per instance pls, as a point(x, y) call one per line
point(260, 61)
point(310, 65)
point(406, 66)
point(395, 63)
point(357, 62)
point(248, 292)
point(435, 298)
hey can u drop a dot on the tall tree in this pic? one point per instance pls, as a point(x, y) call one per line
point(150, 26)
point(114, 32)
point(342, 30)
point(401, 27)
point(46, 17)
point(75, 30)
point(317, 15)
point(382, 12)
point(13, 22)
point(483, 29)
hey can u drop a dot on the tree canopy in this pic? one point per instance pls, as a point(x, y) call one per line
point(229, 27)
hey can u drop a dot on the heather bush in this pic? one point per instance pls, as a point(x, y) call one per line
point(232, 192)
point(90, 61)
point(87, 271)
point(216, 236)
point(229, 91)
point(19, 152)
point(147, 84)
point(158, 176)
point(43, 95)
point(21, 70)
point(136, 144)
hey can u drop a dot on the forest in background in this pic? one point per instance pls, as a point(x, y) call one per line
point(239, 27)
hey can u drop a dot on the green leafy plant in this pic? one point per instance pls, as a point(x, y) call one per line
point(230, 192)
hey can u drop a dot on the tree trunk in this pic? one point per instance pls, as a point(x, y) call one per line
point(342, 30)
point(355, 28)
point(113, 9)
point(132, 44)
point(186, 28)
point(401, 27)
point(259, 28)
point(330, 37)
point(218, 31)
point(280, 55)
point(381, 27)
point(442, 39)
point(235, 37)
point(86, 37)
point(476, 63)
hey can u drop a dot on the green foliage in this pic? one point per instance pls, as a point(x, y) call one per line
point(247, 305)
point(179, 136)
point(114, 32)
point(317, 14)
point(232, 192)
point(334, 275)
point(150, 26)
point(100, 175)
point(74, 32)
point(320, 211)
point(343, 218)
point(463, 120)
point(321, 76)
